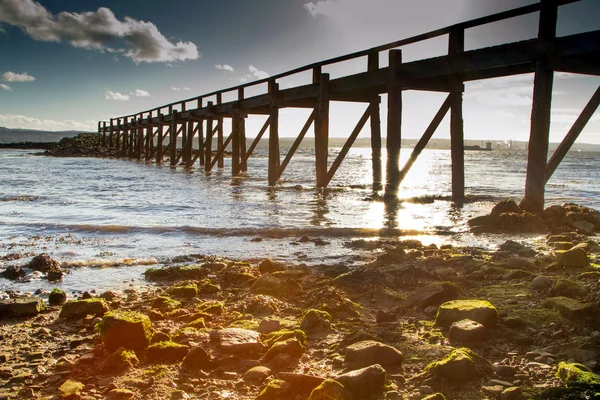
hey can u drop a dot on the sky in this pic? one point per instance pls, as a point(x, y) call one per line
point(66, 65)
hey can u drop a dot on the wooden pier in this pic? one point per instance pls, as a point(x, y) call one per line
point(200, 119)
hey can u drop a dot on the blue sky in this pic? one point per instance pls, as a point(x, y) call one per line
point(66, 65)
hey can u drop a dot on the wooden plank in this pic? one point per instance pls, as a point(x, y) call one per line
point(539, 137)
point(208, 142)
point(290, 154)
point(322, 129)
point(564, 147)
point(433, 125)
point(456, 45)
point(273, 133)
point(375, 120)
point(394, 126)
point(256, 140)
point(338, 161)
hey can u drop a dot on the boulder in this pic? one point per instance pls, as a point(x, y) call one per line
point(577, 375)
point(506, 206)
point(574, 257)
point(57, 297)
point(275, 390)
point(13, 273)
point(238, 340)
point(569, 308)
point(467, 331)
point(369, 352)
point(291, 347)
point(584, 226)
point(567, 288)
point(185, 291)
point(166, 352)
point(511, 393)
point(197, 359)
point(268, 325)
point(258, 373)
point(330, 390)
point(43, 263)
point(21, 307)
point(71, 388)
point(365, 383)
point(268, 266)
point(127, 329)
point(120, 360)
point(481, 311)
point(432, 295)
point(382, 317)
point(81, 308)
point(316, 320)
point(541, 283)
point(460, 366)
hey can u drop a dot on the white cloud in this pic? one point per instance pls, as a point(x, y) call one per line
point(9, 76)
point(140, 93)
point(108, 95)
point(96, 30)
point(225, 67)
point(178, 89)
point(312, 8)
point(5, 87)
point(22, 121)
point(257, 73)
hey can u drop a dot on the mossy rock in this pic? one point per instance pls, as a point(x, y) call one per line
point(568, 288)
point(481, 311)
point(57, 297)
point(166, 352)
point(460, 366)
point(185, 292)
point(197, 323)
point(121, 394)
point(575, 257)
point(82, 308)
point(275, 390)
point(330, 390)
point(291, 347)
point(128, 329)
point(279, 336)
point(176, 272)
point(120, 360)
point(432, 295)
point(316, 320)
point(578, 375)
point(569, 308)
point(71, 388)
point(165, 303)
point(211, 307)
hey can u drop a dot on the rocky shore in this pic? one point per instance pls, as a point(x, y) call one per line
point(419, 322)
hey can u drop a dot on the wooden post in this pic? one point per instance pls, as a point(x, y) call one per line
point(140, 139)
point(322, 127)
point(235, 142)
point(173, 142)
point(208, 142)
point(117, 136)
point(273, 133)
point(456, 44)
point(110, 136)
point(159, 141)
point(373, 65)
point(243, 160)
point(200, 134)
point(189, 144)
point(394, 126)
point(131, 138)
point(221, 162)
point(102, 131)
point(540, 114)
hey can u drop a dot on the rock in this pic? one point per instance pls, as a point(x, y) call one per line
point(541, 283)
point(577, 375)
point(369, 352)
point(13, 272)
point(21, 307)
point(71, 388)
point(511, 393)
point(120, 360)
point(481, 311)
point(301, 383)
point(432, 295)
point(127, 329)
point(435, 396)
point(269, 266)
point(43, 263)
point(364, 383)
point(330, 390)
point(569, 308)
point(567, 288)
point(506, 206)
point(268, 325)
point(197, 359)
point(505, 371)
point(166, 352)
point(315, 320)
point(575, 257)
point(275, 390)
point(258, 373)
point(237, 340)
point(586, 227)
point(383, 317)
point(467, 331)
point(268, 284)
point(57, 297)
point(460, 366)
point(121, 394)
point(185, 292)
point(291, 347)
point(81, 308)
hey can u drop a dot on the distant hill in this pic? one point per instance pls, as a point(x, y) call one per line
point(10, 135)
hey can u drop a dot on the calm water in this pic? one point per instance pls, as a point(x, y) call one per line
point(93, 212)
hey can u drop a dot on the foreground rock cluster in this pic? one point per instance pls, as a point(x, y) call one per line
point(420, 322)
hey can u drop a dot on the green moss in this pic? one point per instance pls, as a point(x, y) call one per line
point(197, 323)
point(176, 272)
point(71, 388)
point(577, 375)
point(166, 352)
point(157, 371)
point(120, 360)
point(481, 311)
point(211, 307)
point(128, 329)
point(163, 302)
point(279, 336)
point(275, 389)
point(127, 316)
point(250, 324)
point(535, 317)
point(57, 291)
point(186, 292)
point(316, 320)
point(291, 346)
point(461, 365)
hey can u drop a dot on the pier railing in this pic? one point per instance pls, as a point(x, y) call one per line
point(141, 136)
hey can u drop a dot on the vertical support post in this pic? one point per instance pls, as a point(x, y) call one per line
point(375, 119)
point(117, 136)
point(235, 142)
point(539, 136)
point(159, 140)
point(321, 127)
point(103, 129)
point(131, 142)
point(173, 142)
point(208, 144)
point(148, 137)
point(394, 126)
point(274, 133)
point(456, 44)
point(200, 135)
point(110, 136)
point(242, 147)
point(220, 161)
point(189, 143)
